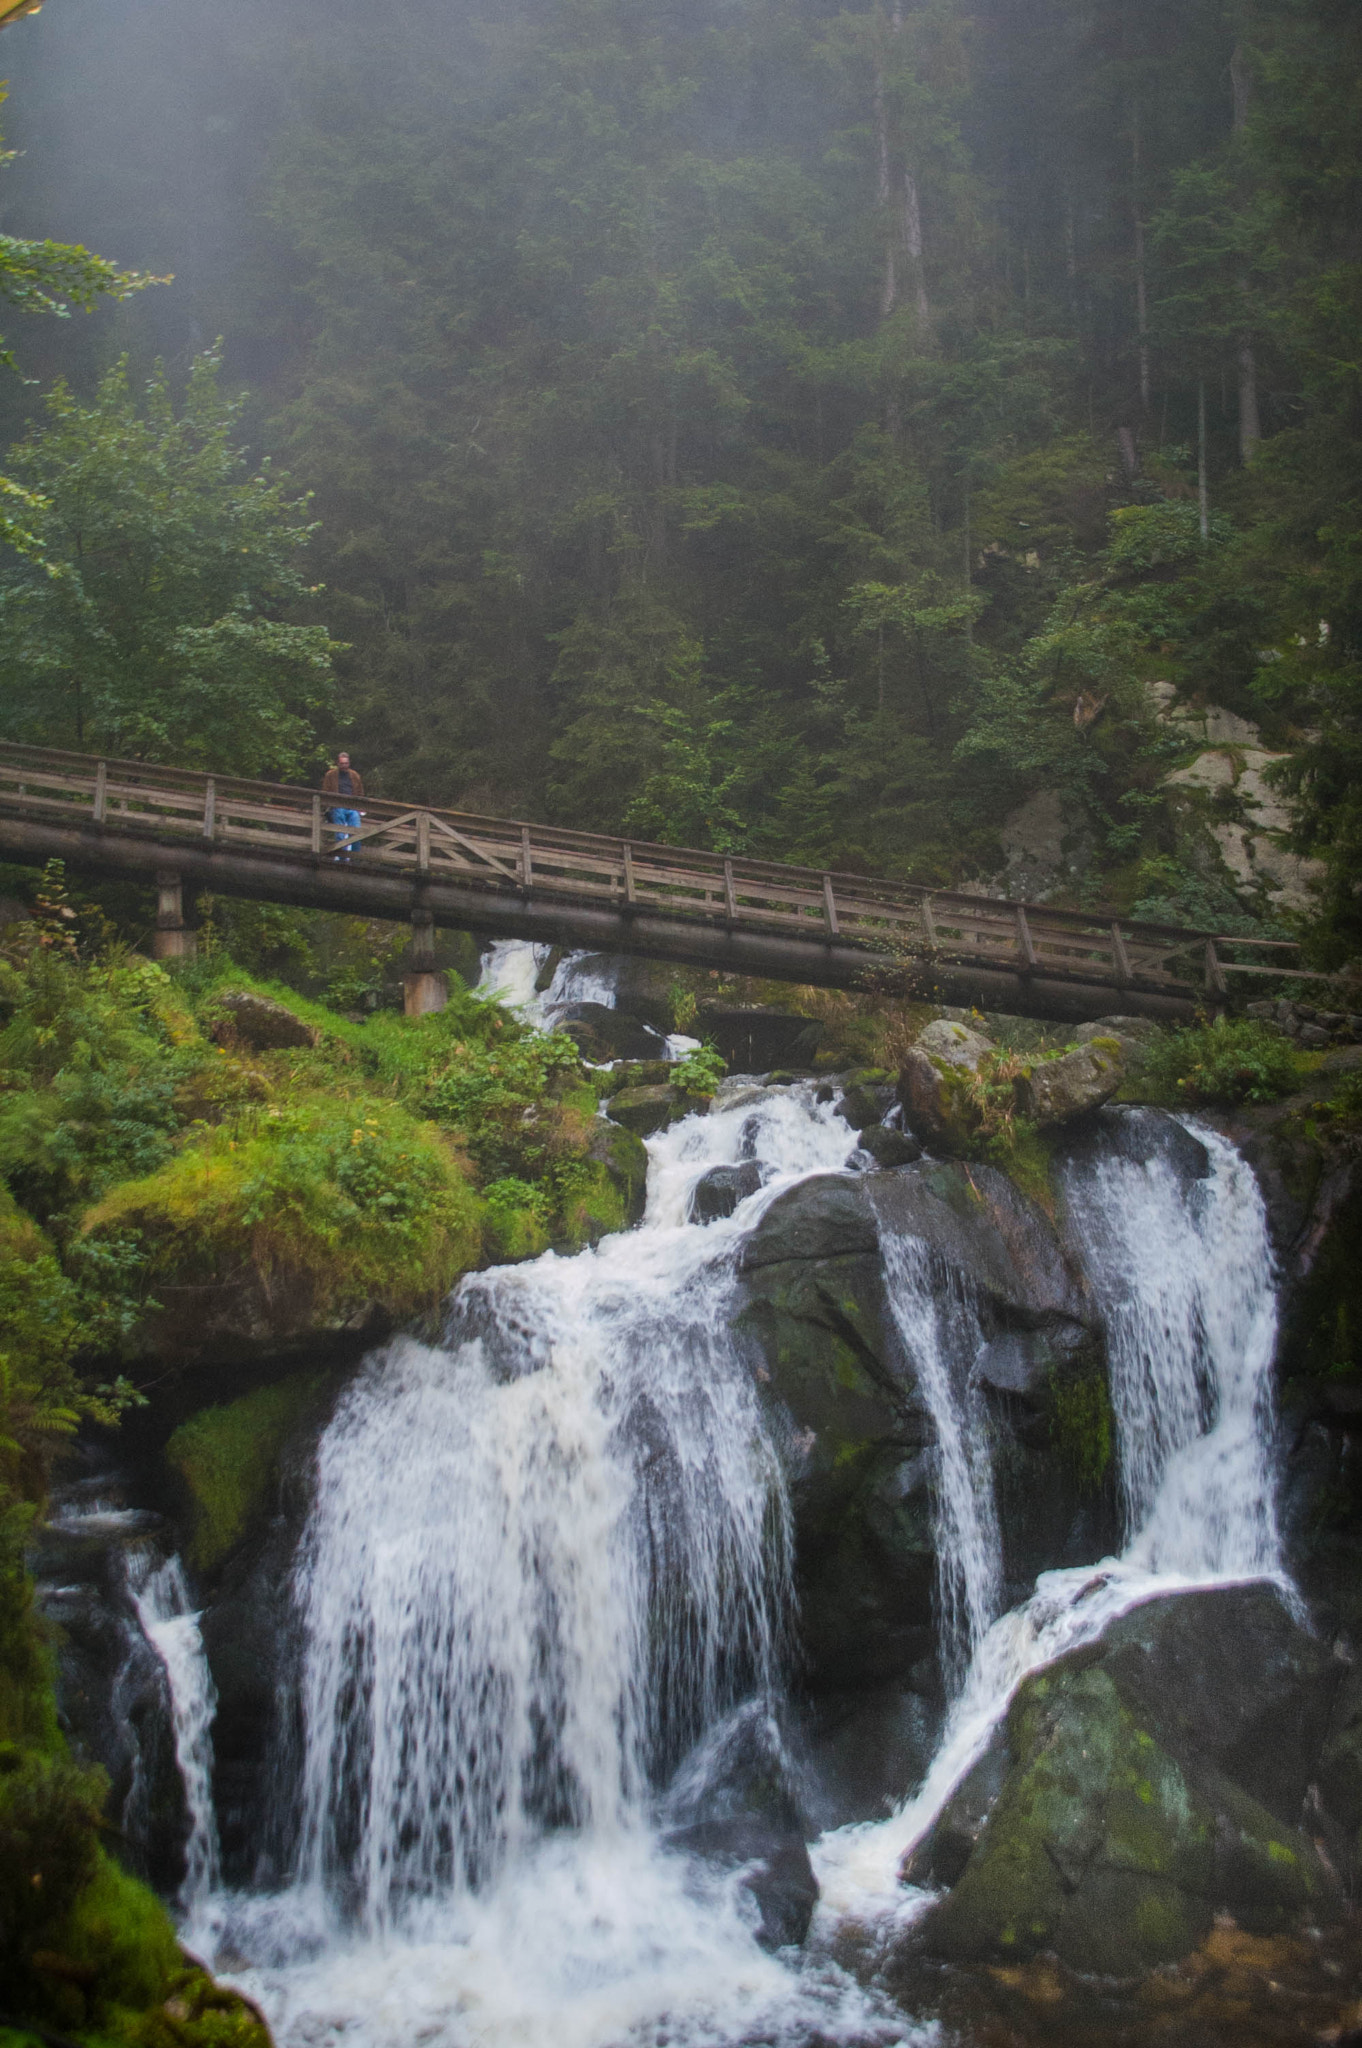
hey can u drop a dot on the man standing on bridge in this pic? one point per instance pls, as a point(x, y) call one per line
point(347, 785)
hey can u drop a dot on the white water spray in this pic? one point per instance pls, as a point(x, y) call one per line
point(938, 1325)
point(1184, 1275)
point(160, 1594)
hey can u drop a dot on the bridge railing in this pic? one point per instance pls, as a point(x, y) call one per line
point(889, 919)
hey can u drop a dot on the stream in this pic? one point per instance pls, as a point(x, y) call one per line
point(548, 1572)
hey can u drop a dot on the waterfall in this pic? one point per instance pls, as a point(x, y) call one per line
point(547, 1559)
point(160, 1594)
point(1185, 1278)
point(938, 1325)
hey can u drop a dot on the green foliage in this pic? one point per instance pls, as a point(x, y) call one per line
point(227, 1460)
point(156, 624)
point(1227, 1061)
point(700, 1072)
point(330, 1206)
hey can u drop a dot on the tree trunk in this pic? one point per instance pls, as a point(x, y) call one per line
point(912, 242)
point(1203, 495)
point(1141, 283)
point(889, 290)
point(1250, 424)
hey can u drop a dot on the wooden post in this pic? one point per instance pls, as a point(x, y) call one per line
point(830, 906)
point(101, 792)
point(1119, 953)
point(316, 824)
point(730, 897)
point(1216, 984)
point(630, 892)
point(210, 807)
point(526, 866)
point(1028, 951)
point(172, 938)
point(424, 988)
point(928, 921)
point(423, 842)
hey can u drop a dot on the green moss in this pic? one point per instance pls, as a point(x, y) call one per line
point(591, 1205)
point(331, 1203)
point(1082, 1425)
point(228, 1458)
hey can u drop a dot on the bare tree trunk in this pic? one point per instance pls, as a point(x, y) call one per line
point(1250, 423)
point(889, 288)
point(1203, 496)
point(912, 242)
point(1141, 284)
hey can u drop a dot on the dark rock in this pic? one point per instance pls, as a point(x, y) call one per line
point(1128, 1815)
point(887, 1147)
point(979, 1225)
point(1139, 1135)
point(624, 1156)
point(775, 1869)
point(753, 1041)
point(717, 1193)
point(735, 1803)
point(1228, 1676)
point(824, 1217)
point(869, 1750)
point(865, 1099)
point(603, 1034)
point(265, 1026)
point(942, 1854)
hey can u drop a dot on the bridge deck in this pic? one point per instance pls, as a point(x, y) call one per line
point(508, 879)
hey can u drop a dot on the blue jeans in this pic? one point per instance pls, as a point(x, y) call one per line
point(338, 815)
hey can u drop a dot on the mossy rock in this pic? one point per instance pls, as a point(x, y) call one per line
point(647, 1110)
point(226, 1460)
point(592, 1207)
point(624, 1156)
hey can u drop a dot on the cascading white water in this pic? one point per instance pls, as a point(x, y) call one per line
point(160, 1594)
point(938, 1325)
point(1185, 1278)
point(544, 1559)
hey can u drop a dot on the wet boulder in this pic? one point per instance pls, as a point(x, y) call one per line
point(1152, 1780)
point(888, 1147)
point(717, 1193)
point(601, 1033)
point(241, 1018)
point(1053, 1091)
point(935, 1081)
point(647, 1110)
point(775, 1867)
point(735, 1804)
point(865, 1097)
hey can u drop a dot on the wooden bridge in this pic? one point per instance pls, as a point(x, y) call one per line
point(506, 879)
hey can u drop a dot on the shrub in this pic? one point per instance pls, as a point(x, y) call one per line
point(1220, 1064)
point(331, 1205)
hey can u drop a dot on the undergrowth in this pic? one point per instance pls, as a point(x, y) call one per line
point(1219, 1064)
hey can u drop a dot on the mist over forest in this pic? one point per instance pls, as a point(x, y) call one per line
point(773, 427)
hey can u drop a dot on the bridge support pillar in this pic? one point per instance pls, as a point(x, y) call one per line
point(172, 939)
point(424, 988)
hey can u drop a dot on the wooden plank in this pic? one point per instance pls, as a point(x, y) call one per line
point(470, 846)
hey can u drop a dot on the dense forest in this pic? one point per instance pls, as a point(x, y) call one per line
point(763, 426)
